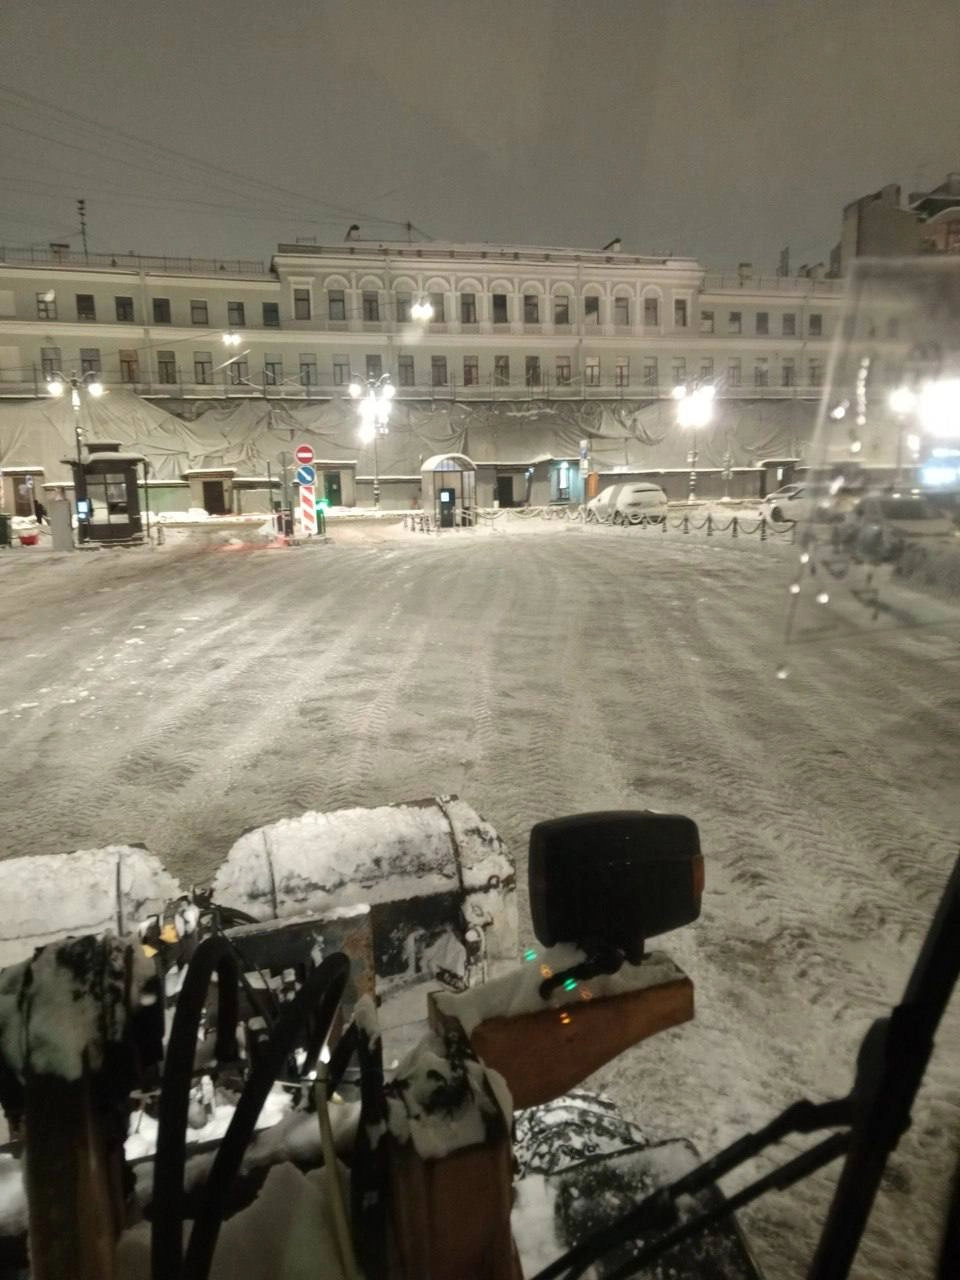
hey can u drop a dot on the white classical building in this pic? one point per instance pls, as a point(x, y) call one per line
point(509, 323)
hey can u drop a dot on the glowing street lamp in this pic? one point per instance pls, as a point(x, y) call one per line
point(694, 411)
point(374, 397)
point(422, 309)
point(57, 383)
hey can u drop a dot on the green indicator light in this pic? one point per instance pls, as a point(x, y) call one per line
point(529, 954)
point(570, 984)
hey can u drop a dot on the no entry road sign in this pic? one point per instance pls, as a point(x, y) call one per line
point(304, 454)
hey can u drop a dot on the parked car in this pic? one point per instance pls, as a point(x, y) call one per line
point(788, 503)
point(881, 528)
point(635, 502)
point(628, 502)
point(601, 507)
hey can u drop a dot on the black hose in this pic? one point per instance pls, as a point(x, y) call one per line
point(320, 996)
point(212, 955)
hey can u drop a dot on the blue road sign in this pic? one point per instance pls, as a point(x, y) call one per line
point(306, 475)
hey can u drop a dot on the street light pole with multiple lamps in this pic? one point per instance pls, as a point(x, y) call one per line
point(694, 411)
point(374, 397)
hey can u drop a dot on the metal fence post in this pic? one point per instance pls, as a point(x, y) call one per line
point(763, 528)
point(734, 526)
point(686, 523)
point(709, 526)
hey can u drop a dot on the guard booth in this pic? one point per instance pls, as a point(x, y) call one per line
point(106, 484)
point(449, 487)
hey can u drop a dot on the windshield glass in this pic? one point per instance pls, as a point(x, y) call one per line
point(890, 411)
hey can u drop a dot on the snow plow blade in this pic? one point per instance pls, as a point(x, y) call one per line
point(439, 883)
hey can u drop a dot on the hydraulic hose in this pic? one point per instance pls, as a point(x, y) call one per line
point(213, 955)
point(319, 997)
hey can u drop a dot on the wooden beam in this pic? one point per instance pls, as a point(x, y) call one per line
point(543, 1055)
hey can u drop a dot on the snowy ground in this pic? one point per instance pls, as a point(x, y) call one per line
point(179, 696)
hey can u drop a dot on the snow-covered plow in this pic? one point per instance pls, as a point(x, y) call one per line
point(248, 1104)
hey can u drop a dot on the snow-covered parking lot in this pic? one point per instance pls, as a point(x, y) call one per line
point(179, 696)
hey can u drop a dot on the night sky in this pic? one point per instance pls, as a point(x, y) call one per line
point(724, 129)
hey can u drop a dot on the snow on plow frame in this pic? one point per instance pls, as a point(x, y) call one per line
point(439, 882)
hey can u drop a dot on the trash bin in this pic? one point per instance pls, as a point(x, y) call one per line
point(4, 530)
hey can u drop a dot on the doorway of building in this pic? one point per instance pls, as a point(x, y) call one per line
point(214, 501)
point(448, 503)
point(331, 488)
point(504, 491)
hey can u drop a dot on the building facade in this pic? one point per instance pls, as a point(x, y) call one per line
point(506, 322)
point(527, 351)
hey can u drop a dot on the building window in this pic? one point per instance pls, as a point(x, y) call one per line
point(533, 371)
point(763, 323)
point(50, 361)
point(561, 309)
point(761, 373)
point(308, 370)
point(374, 365)
point(371, 304)
point(239, 372)
point(202, 367)
point(679, 313)
point(236, 315)
point(129, 366)
point(591, 371)
point(438, 371)
point(651, 372)
point(788, 372)
point(438, 317)
point(733, 373)
point(621, 311)
point(89, 359)
point(471, 371)
point(272, 371)
point(406, 371)
point(706, 369)
point(815, 326)
point(531, 308)
point(161, 311)
point(501, 371)
point(124, 309)
point(591, 309)
point(789, 325)
point(301, 304)
point(468, 308)
point(341, 371)
point(678, 371)
point(86, 308)
point(46, 307)
point(816, 373)
point(500, 315)
point(166, 367)
point(706, 322)
point(651, 311)
point(563, 371)
point(621, 376)
point(403, 302)
point(198, 311)
point(271, 315)
point(336, 304)
point(735, 322)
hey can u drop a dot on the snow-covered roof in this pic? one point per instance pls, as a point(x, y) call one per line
point(211, 471)
point(21, 471)
point(112, 455)
point(436, 462)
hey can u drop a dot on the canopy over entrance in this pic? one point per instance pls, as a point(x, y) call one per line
point(449, 485)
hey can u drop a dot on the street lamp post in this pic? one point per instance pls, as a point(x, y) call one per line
point(694, 410)
point(374, 398)
point(90, 382)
